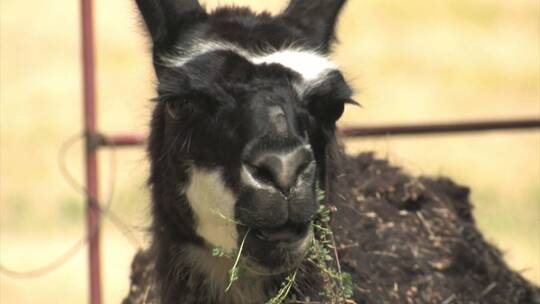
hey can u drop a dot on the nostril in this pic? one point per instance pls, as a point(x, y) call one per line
point(302, 167)
point(270, 175)
point(280, 170)
point(262, 174)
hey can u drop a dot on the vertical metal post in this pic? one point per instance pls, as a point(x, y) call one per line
point(91, 150)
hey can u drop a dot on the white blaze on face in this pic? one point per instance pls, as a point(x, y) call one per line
point(213, 207)
point(311, 64)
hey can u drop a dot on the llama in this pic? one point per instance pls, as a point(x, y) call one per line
point(242, 138)
point(246, 104)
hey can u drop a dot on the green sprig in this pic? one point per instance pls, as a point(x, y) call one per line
point(283, 292)
point(235, 270)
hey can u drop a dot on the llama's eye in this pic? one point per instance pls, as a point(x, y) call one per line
point(327, 100)
point(327, 110)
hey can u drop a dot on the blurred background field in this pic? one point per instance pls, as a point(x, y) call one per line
point(410, 61)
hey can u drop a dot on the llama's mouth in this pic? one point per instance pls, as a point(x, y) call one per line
point(276, 250)
point(284, 234)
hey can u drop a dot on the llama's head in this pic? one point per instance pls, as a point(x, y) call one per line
point(246, 105)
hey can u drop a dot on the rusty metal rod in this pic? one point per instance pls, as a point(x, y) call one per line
point(123, 140)
point(91, 161)
point(374, 131)
point(433, 128)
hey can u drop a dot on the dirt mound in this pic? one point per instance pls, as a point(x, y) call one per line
point(403, 239)
point(414, 240)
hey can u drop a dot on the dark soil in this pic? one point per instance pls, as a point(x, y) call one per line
point(404, 240)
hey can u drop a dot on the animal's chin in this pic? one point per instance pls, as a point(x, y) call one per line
point(278, 250)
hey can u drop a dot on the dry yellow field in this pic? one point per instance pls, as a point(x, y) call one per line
point(410, 61)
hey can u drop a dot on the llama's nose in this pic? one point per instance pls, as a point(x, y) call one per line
point(280, 169)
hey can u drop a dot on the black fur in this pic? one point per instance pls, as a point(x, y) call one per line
point(211, 112)
point(316, 19)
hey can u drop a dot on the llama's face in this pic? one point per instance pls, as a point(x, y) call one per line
point(245, 123)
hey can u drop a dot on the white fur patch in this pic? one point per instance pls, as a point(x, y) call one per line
point(310, 64)
point(213, 206)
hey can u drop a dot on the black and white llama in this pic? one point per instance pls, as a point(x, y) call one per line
point(246, 105)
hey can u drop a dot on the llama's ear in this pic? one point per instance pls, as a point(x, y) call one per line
point(316, 18)
point(165, 19)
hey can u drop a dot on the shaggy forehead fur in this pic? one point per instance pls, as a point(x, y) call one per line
point(309, 63)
